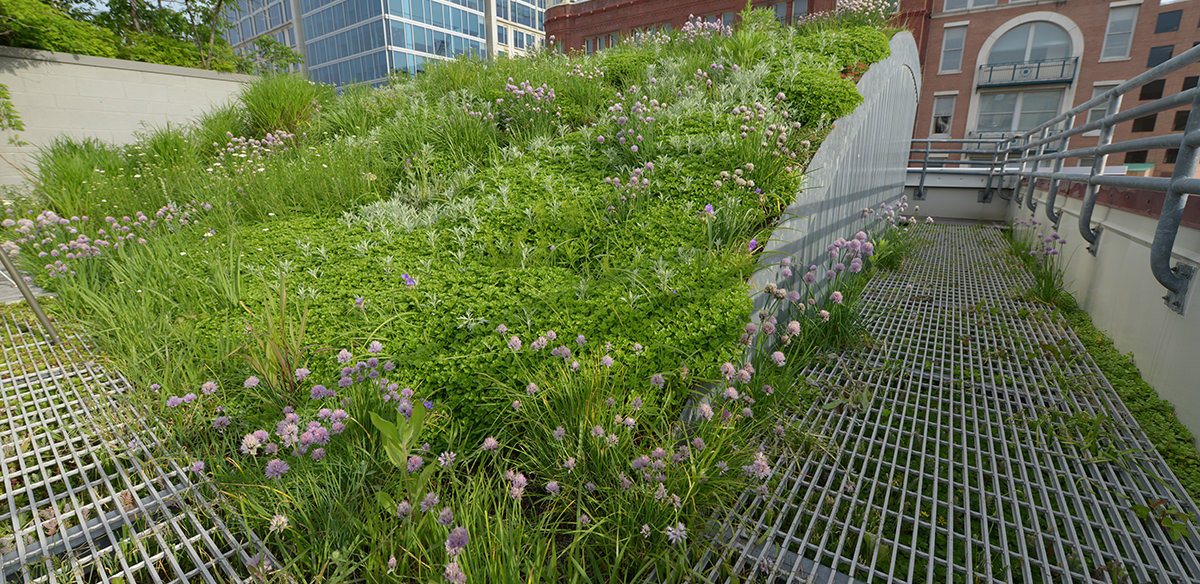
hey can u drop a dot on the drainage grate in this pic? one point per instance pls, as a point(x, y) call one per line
point(92, 493)
point(990, 447)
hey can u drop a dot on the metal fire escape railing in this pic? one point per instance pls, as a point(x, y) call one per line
point(1040, 153)
point(1027, 72)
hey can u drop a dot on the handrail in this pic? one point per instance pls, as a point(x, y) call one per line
point(1025, 155)
point(29, 297)
point(1027, 72)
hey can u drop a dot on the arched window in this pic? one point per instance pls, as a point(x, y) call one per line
point(1031, 42)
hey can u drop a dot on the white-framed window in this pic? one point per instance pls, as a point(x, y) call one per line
point(953, 39)
point(799, 10)
point(1010, 112)
point(781, 11)
point(1118, 35)
point(1098, 111)
point(965, 4)
point(1031, 42)
point(943, 115)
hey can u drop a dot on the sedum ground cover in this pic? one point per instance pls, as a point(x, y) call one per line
point(447, 329)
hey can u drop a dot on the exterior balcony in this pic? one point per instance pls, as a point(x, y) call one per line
point(1027, 73)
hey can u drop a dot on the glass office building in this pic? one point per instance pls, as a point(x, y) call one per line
point(363, 41)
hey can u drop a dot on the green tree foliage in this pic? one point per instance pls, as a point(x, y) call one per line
point(127, 29)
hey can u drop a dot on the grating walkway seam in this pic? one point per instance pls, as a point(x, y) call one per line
point(92, 492)
point(970, 461)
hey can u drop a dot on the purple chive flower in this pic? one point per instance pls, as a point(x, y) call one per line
point(155, 387)
point(676, 534)
point(415, 463)
point(446, 517)
point(531, 389)
point(779, 358)
point(836, 297)
point(317, 453)
point(408, 280)
point(446, 459)
point(559, 433)
point(251, 381)
point(657, 380)
point(454, 574)
point(344, 356)
point(516, 405)
point(753, 245)
point(706, 411)
point(458, 539)
point(581, 340)
point(514, 343)
point(174, 401)
point(276, 468)
point(574, 365)
point(430, 501)
point(607, 361)
point(391, 564)
point(552, 488)
point(189, 398)
point(502, 329)
point(301, 374)
point(375, 347)
point(490, 444)
point(404, 509)
point(198, 467)
point(208, 388)
point(597, 431)
point(220, 423)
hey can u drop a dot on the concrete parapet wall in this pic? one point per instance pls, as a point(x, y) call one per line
point(80, 96)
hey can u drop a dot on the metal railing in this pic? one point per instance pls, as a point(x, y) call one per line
point(1027, 73)
point(1041, 152)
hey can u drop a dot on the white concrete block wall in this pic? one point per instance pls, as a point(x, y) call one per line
point(109, 99)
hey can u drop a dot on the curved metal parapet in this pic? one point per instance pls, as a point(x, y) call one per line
point(860, 165)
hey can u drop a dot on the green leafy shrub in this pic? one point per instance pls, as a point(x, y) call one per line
point(848, 46)
point(37, 25)
point(626, 65)
point(815, 96)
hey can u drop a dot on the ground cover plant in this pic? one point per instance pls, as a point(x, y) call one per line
point(489, 323)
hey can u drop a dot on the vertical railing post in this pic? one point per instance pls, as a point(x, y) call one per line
point(1029, 202)
point(1093, 189)
point(1017, 191)
point(1176, 279)
point(919, 195)
point(986, 195)
point(29, 297)
point(1052, 194)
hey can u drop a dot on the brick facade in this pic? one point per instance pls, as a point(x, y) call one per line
point(573, 24)
point(1086, 22)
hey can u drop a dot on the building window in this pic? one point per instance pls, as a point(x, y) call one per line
point(1118, 36)
point(1145, 123)
point(1180, 122)
point(1170, 156)
point(1097, 112)
point(727, 18)
point(1011, 112)
point(1159, 55)
point(799, 10)
point(1136, 157)
point(943, 115)
point(1168, 21)
point(965, 4)
point(1153, 90)
point(1031, 42)
point(952, 49)
point(781, 11)
point(1189, 82)
point(502, 35)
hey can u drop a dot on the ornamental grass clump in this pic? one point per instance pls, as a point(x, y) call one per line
point(600, 453)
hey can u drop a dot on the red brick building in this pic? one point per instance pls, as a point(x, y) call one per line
point(591, 25)
point(997, 67)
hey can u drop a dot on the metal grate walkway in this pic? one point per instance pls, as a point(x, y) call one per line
point(975, 441)
point(91, 493)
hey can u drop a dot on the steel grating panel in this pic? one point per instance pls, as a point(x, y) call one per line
point(92, 493)
point(991, 448)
